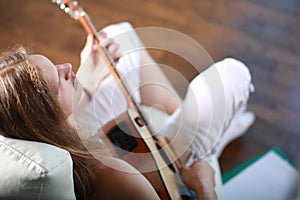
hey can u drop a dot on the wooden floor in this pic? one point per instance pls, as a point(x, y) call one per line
point(265, 34)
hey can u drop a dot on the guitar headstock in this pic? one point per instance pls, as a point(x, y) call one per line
point(76, 12)
point(70, 7)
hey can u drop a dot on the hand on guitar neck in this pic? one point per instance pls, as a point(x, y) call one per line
point(92, 68)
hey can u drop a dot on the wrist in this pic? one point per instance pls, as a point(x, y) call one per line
point(204, 191)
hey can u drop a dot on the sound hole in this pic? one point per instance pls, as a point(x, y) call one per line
point(121, 136)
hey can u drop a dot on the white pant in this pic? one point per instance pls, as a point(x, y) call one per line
point(213, 99)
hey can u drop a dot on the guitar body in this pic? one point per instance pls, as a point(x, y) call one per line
point(134, 143)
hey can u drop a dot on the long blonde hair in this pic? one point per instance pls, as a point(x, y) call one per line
point(29, 110)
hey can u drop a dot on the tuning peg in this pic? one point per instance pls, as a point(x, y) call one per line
point(57, 1)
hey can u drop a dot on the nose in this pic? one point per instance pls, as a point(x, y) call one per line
point(65, 70)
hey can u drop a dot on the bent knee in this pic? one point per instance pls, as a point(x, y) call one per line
point(233, 69)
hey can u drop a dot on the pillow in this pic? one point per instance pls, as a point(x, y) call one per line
point(34, 170)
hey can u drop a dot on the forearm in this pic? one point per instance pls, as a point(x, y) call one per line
point(156, 89)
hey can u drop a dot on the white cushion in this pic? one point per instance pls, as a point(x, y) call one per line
point(34, 170)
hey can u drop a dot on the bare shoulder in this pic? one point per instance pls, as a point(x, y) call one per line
point(117, 179)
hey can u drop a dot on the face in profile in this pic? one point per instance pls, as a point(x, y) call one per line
point(60, 77)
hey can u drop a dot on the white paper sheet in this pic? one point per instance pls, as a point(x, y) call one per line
point(269, 178)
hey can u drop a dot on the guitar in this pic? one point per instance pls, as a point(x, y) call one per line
point(128, 133)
